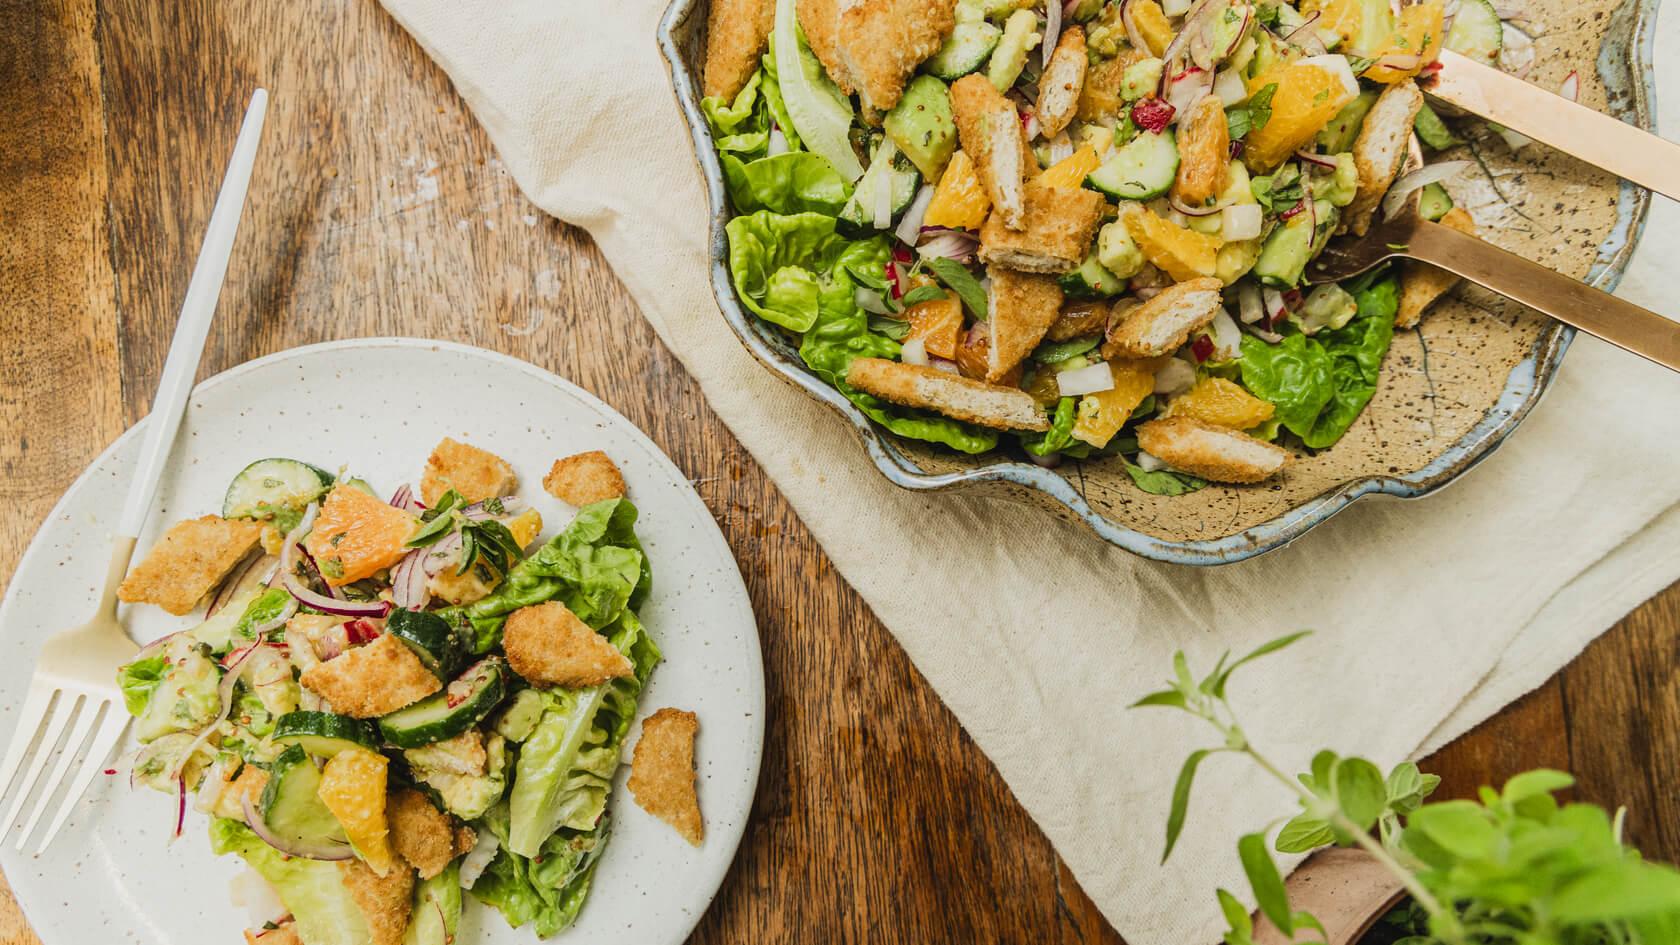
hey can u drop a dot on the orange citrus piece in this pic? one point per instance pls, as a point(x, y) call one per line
point(959, 200)
point(1346, 17)
point(1221, 402)
point(1152, 22)
point(353, 788)
point(1072, 170)
point(1179, 251)
point(1101, 415)
point(1417, 34)
point(938, 322)
point(357, 536)
point(1307, 97)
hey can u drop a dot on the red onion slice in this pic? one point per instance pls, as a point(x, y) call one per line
point(333, 605)
point(955, 244)
point(434, 558)
point(1133, 34)
point(1317, 160)
point(331, 850)
point(1423, 177)
point(1571, 87)
point(181, 806)
point(1052, 30)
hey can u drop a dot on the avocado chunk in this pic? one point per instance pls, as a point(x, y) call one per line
point(1434, 202)
point(1020, 37)
point(1338, 136)
point(1284, 257)
point(1117, 252)
point(922, 127)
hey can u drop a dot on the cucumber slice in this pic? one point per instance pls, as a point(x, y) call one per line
point(1434, 202)
point(1433, 132)
point(272, 488)
point(967, 49)
point(431, 639)
point(291, 808)
point(324, 733)
point(462, 704)
point(1142, 170)
point(1476, 31)
point(902, 176)
point(1091, 280)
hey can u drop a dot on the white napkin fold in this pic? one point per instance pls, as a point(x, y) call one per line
point(1431, 614)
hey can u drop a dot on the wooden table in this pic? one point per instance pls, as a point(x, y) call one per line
point(379, 208)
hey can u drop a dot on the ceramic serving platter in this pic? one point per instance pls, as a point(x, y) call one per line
point(1450, 392)
point(377, 407)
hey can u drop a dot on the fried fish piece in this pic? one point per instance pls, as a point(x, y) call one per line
point(883, 41)
point(549, 646)
point(1023, 306)
point(372, 680)
point(662, 772)
point(583, 478)
point(1420, 283)
point(1055, 232)
point(955, 396)
point(189, 560)
point(990, 130)
point(1063, 82)
point(385, 901)
point(1380, 150)
point(737, 32)
point(475, 473)
point(1215, 453)
point(1161, 324)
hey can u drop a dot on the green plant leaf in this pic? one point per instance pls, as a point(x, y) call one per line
point(920, 294)
point(1163, 481)
point(957, 277)
point(1534, 784)
point(1304, 833)
point(1271, 646)
point(1460, 828)
point(1166, 697)
point(1237, 917)
point(1181, 798)
point(1360, 791)
point(1267, 883)
point(1628, 890)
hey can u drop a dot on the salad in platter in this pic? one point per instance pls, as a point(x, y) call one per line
point(391, 702)
point(1085, 225)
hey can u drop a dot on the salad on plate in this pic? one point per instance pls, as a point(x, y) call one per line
point(391, 703)
point(1082, 228)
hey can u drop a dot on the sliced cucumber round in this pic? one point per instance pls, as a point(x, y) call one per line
point(1091, 280)
point(1476, 31)
point(431, 639)
point(899, 174)
point(461, 705)
point(291, 807)
point(324, 733)
point(270, 488)
point(1141, 170)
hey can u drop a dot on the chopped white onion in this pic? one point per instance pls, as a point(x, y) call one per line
point(883, 184)
point(1571, 87)
point(1175, 377)
point(1227, 337)
point(953, 245)
point(914, 352)
point(478, 858)
point(1052, 30)
point(1086, 380)
point(1249, 306)
point(1337, 66)
point(1423, 177)
point(1149, 463)
point(1030, 124)
point(1515, 140)
point(949, 367)
point(871, 301)
point(1242, 221)
point(778, 142)
point(910, 228)
point(1230, 88)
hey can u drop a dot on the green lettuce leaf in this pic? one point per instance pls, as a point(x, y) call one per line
point(741, 126)
point(1163, 481)
point(816, 108)
point(312, 890)
point(565, 770)
point(547, 890)
point(595, 567)
point(1060, 435)
point(773, 98)
point(138, 679)
point(796, 182)
point(782, 263)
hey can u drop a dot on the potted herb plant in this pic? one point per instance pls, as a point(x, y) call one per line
point(1514, 867)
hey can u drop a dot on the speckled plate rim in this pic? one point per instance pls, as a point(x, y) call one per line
point(1624, 65)
point(38, 881)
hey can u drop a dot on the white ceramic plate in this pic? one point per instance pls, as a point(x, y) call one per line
point(378, 406)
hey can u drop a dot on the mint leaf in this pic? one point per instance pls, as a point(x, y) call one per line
point(920, 294)
point(1260, 106)
point(1264, 879)
point(956, 275)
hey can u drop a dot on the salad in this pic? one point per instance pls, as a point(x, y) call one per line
point(391, 702)
point(1081, 228)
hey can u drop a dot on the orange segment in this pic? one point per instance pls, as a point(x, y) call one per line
point(959, 200)
point(1345, 17)
point(357, 535)
point(1307, 97)
point(353, 788)
point(1152, 22)
point(1179, 251)
point(1072, 170)
point(1221, 402)
point(1418, 34)
point(1101, 415)
point(938, 323)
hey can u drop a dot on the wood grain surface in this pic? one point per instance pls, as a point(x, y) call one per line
point(379, 208)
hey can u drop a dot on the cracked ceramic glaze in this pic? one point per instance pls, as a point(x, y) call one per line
point(1450, 392)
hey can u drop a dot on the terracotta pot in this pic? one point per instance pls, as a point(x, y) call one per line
point(1346, 889)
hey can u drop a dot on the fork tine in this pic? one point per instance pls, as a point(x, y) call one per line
point(62, 710)
point(110, 731)
point(28, 725)
point(89, 710)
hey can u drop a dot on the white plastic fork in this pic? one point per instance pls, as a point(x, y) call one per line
point(74, 685)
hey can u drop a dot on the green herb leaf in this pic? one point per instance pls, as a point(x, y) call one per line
point(920, 294)
point(1181, 798)
point(1460, 828)
point(1260, 106)
point(1055, 352)
point(1163, 481)
point(1171, 698)
point(956, 276)
point(1271, 646)
point(1236, 916)
point(1534, 784)
point(1360, 791)
point(1237, 122)
point(1627, 890)
point(1304, 833)
point(1267, 883)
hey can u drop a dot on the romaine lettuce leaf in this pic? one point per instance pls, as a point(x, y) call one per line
point(313, 890)
point(1060, 435)
point(816, 108)
point(138, 679)
point(565, 769)
point(772, 89)
point(547, 890)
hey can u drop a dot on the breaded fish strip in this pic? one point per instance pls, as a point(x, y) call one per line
point(584, 478)
point(820, 19)
point(1380, 150)
point(736, 33)
point(989, 128)
point(662, 772)
point(1023, 306)
point(955, 396)
point(477, 474)
point(1420, 283)
point(1055, 233)
point(423, 835)
point(373, 680)
point(883, 41)
point(1161, 324)
point(384, 900)
point(1216, 453)
point(191, 558)
point(549, 646)
point(1063, 81)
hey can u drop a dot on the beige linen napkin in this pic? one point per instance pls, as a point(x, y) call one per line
point(1431, 614)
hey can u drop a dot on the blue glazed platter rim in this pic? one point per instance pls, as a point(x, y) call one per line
point(1624, 64)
